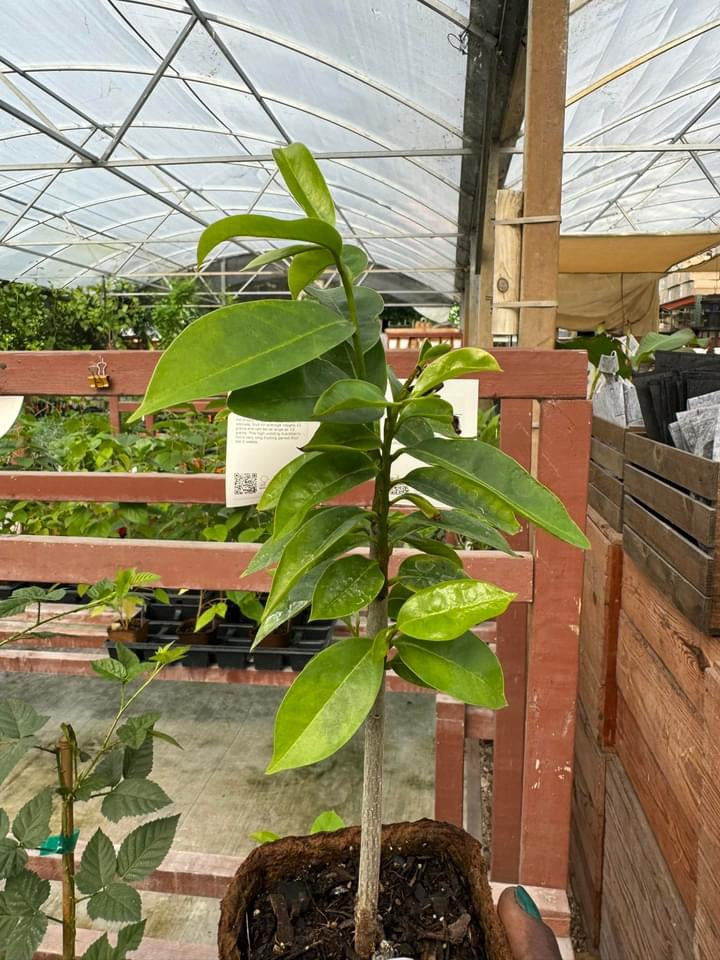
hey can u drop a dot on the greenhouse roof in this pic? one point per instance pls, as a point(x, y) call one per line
point(127, 125)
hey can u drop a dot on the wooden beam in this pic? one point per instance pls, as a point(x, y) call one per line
point(506, 266)
point(542, 167)
point(212, 566)
point(479, 328)
point(449, 759)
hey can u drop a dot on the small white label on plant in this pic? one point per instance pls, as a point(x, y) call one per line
point(256, 450)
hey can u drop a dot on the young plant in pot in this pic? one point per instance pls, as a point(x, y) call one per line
point(122, 597)
point(320, 358)
point(200, 628)
point(249, 605)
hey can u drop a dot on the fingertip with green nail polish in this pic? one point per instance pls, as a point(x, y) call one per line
point(526, 903)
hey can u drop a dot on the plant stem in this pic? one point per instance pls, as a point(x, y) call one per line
point(357, 344)
point(56, 616)
point(66, 771)
point(366, 907)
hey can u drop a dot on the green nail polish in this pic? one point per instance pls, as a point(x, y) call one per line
point(527, 903)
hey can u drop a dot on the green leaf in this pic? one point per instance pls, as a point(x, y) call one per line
point(12, 858)
point(464, 668)
point(414, 431)
point(376, 367)
point(169, 653)
point(351, 401)
point(652, 342)
point(218, 609)
point(98, 864)
point(430, 351)
point(277, 253)
point(11, 753)
point(307, 230)
point(32, 823)
point(135, 729)
point(343, 436)
point(429, 408)
point(501, 476)
point(110, 670)
point(326, 822)
point(447, 610)
point(368, 307)
point(291, 396)
point(305, 182)
point(436, 548)
point(131, 662)
point(139, 762)
point(307, 267)
point(131, 798)
point(100, 949)
point(130, 937)
point(597, 346)
point(418, 572)
point(166, 738)
point(18, 719)
point(268, 554)
point(264, 836)
point(215, 355)
point(22, 926)
point(4, 823)
point(318, 480)
point(24, 894)
point(315, 540)
point(458, 522)
point(269, 499)
point(118, 903)
point(347, 586)
point(457, 491)
point(454, 364)
point(143, 850)
point(405, 673)
point(397, 597)
point(327, 703)
point(248, 603)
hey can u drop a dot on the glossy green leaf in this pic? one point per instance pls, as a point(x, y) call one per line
point(405, 673)
point(436, 548)
point(421, 571)
point(447, 610)
point(307, 230)
point(368, 307)
point(327, 703)
point(398, 595)
point(429, 408)
point(269, 499)
point(464, 668)
point(348, 585)
point(117, 902)
point(456, 521)
point(414, 431)
point(291, 396)
point(342, 436)
point(314, 541)
point(32, 822)
point(457, 491)
point(98, 864)
point(143, 850)
point(350, 401)
point(132, 798)
point(268, 554)
point(305, 181)
point(307, 267)
point(454, 364)
point(12, 858)
point(485, 465)
point(318, 480)
point(652, 342)
point(326, 822)
point(376, 367)
point(434, 350)
point(18, 719)
point(264, 836)
point(241, 345)
point(277, 253)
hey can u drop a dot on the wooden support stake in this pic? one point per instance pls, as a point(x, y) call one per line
point(449, 759)
point(563, 457)
point(542, 169)
point(506, 274)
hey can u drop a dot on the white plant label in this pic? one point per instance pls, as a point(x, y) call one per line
point(256, 450)
point(10, 408)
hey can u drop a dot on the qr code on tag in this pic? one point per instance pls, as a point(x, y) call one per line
point(399, 489)
point(245, 483)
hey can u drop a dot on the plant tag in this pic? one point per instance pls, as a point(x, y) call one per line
point(256, 450)
point(10, 408)
point(59, 844)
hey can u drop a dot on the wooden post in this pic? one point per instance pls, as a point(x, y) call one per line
point(471, 307)
point(707, 915)
point(449, 759)
point(511, 646)
point(542, 169)
point(479, 330)
point(506, 273)
point(114, 414)
point(553, 635)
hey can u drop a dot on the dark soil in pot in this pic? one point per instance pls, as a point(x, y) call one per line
point(187, 635)
point(136, 633)
point(296, 897)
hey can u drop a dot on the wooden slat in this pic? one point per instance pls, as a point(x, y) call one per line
point(608, 457)
point(525, 373)
point(449, 759)
point(643, 916)
point(607, 510)
point(670, 726)
point(674, 827)
point(707, 917)
point(696, 606)
point(692, 473)
point(610, 433)
point(553, 652)
point(690, 561)
point(212, 566)
point(679, 645)
point(516, 435)
point(683, 511)
point(606, 483)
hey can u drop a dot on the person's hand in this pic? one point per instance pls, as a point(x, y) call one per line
point(529, 937)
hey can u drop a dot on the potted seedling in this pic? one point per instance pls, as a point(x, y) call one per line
point(122, 597)
point(320, 358)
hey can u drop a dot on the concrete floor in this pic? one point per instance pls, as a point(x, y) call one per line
point(217, 781)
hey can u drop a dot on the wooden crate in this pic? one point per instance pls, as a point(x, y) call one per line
point(607, 462)
point(707, 915)
point(602, 585)
point(670, 529)
point(643, 915)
